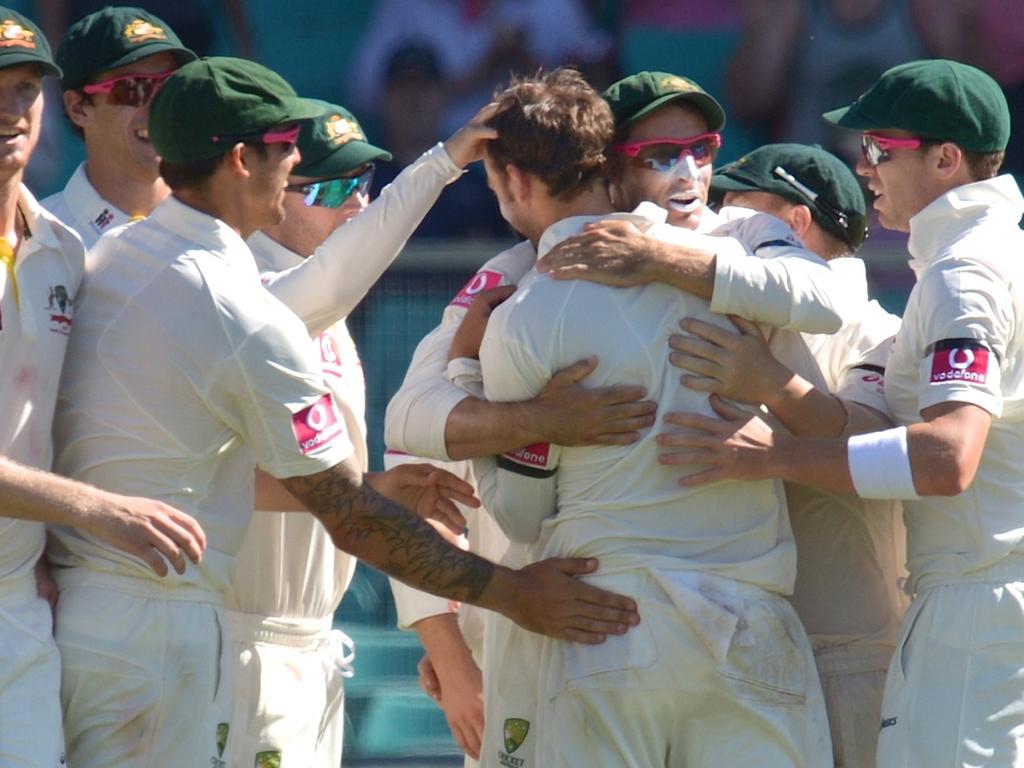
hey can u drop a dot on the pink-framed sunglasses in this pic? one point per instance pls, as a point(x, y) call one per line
point(280, 134)
point(876, 148)
point(132, 90)
point(662, 155)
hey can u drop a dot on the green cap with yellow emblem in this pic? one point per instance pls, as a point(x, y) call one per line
point(227, 100)
point(21, 42)
point(111, 38)
point(638, 95)
point(334, 144)
point(806, 175)
point(934, 99)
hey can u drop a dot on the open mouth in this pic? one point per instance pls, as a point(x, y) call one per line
point(684, 203)
point(10, 133)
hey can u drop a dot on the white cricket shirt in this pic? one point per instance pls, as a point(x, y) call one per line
point(617, 503)
point(34, 332)
point(182, 371)
point(83, 209)
point(288, 567)
point(962, 340)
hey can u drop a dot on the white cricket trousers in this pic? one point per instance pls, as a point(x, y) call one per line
point(144, 679)
point(955, 691)
point(31, 735)
point(289, 691)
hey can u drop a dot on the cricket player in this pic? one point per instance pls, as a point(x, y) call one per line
point(803, 290)
point(41, 264)
point(114, 61)
point(933, 137)
point(185, 370)
point(719, 672)
point(850, 551)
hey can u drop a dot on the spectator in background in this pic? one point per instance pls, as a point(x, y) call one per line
point(797, 58)
point(412, 109)
point(477, 43)
point(1000, 52)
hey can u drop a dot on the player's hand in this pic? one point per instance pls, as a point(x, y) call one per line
point(46, 587)
point(457, 685)
point(552, 601)
point(721, 362)
point(737, 446)
point(428, 491)
point(567, 413)
point(611, 252)
point(466, 342)
point(151, 530)
point(469, 143)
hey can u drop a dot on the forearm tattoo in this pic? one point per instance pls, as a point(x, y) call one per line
point(389, 537)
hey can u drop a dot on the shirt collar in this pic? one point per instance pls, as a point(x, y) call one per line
point(270, 255)
point(202, 229)
point(89, 207)
point(644, 217)
point(960, 209)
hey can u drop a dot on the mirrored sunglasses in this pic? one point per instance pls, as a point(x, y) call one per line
point(663, 155)
point(131, 90)
point(876, 148)
point(332, 193)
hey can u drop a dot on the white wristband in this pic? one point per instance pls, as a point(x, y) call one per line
point(880, 465)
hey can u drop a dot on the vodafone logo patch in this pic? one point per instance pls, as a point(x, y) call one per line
point(483, 280)
point(959, 360)
point(316, 425)
point(536, 455)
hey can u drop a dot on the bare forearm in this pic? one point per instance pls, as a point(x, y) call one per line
point(387, 536)
point(272, 496)
point(443, 641)
point(690, 270)
point(820, 462)
point(32, 494)
point(479, 428)
point(810, 412)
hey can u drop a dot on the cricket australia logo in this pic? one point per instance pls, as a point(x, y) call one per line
point(59, 306)
point(269, 759)
point(13, 35)
point(141, 31)
point(674, 83)
point(341, 130)
point(514, 734)
point(222, 742)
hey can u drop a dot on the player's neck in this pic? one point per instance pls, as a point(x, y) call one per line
point(135, 194)
point(592, 202)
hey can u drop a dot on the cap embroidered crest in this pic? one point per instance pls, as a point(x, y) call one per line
point(678, 84)
point(141, 31)
point(341, 130)
point(14, 35)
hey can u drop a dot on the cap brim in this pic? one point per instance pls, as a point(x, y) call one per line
point(848, 117)
point(301, 109)
point(720, 182)
point(181, 55)
point(345, 159)
point(704, 103)
point(46, 67)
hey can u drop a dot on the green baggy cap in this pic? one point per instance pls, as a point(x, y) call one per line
point(21, 42)
point(934, 99)
point(806, 175)
point(111, 38)
point(208, 105)
point(333, 144)
point(638, 95)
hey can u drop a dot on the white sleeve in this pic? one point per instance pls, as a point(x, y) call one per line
point(862, 352)
point(518, 488)
point(787, 286)
point(328, 285)
point(966, 318)
point(418, 413)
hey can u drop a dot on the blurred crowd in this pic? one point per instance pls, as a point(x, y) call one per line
point(415, 69)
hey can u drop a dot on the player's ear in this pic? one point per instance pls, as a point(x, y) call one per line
point(799, 219)
point(239, 159)
point(519, 181)
point(78, 106)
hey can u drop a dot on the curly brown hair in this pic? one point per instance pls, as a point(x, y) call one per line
point(555, 126)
